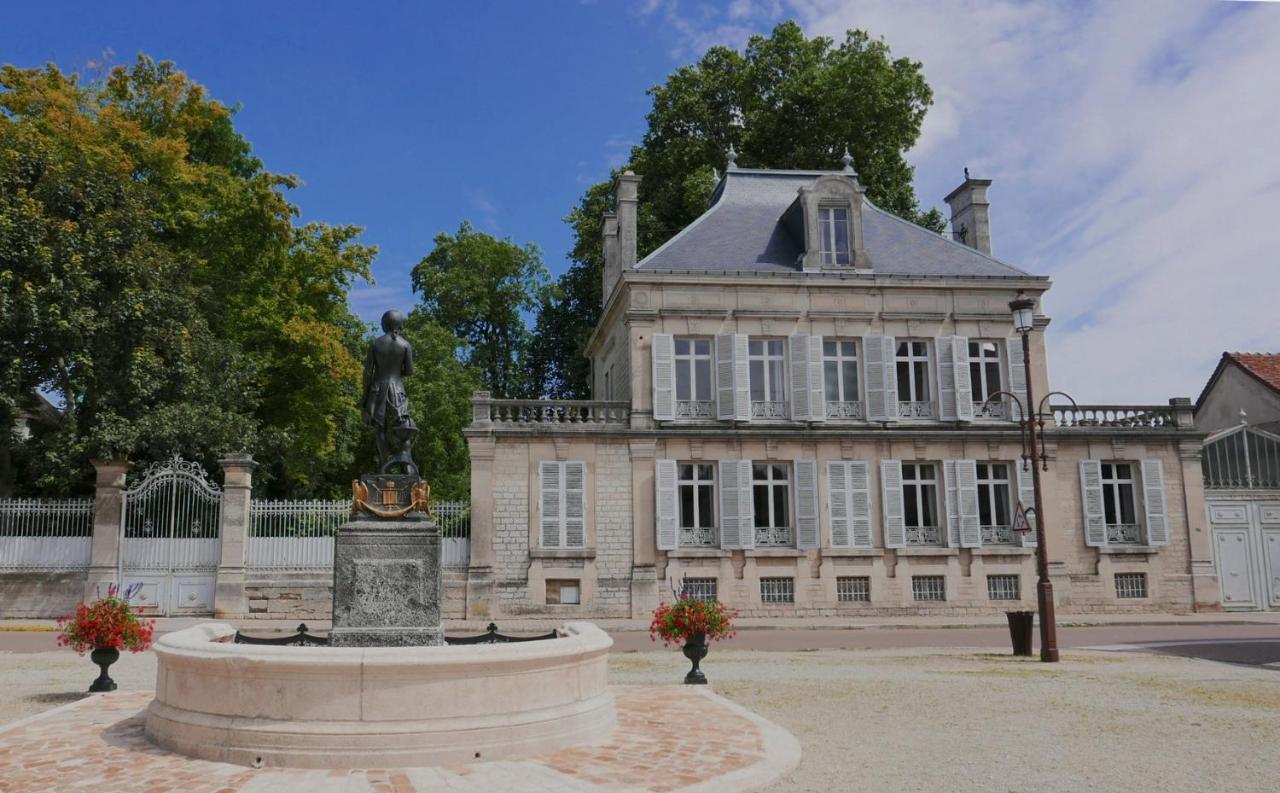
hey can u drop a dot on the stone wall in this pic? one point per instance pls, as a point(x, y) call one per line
point(40, 595)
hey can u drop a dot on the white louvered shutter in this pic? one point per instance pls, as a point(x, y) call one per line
point(575, 505)
point(895, 531)
point(952, 502)
point(798, 359)
point(552, 503)
point(838, 503)
point(733, 385)
point(859, 503)
point(807, 537)
point(963, 382)
point(946, 378)
point(1154, 500)
point(664, 377)
point(667, 509)
point(967, 492)
point(1095, 516)
point(882, 379)
point(1017, 376)
point(737, 516)
point(817, 383)
point(741, 378)
point(1027, 495)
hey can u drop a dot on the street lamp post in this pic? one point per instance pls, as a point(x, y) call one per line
point(1023, 309)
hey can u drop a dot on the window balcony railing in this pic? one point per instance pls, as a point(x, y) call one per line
point(915, 410)
point(771, 409)
point(697, 537)
point(995, 409)
point(924, 535)
point(774, 537)
point(844, 410)
point(1162, 417)
point(695, 409)
point(997, 535)
point(1124, 534)
point(487, 412)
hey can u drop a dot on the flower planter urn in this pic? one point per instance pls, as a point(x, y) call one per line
point(105, 657)
point(695, 649)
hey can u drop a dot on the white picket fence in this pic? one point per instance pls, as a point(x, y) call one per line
point(45, 534)
point(297, 536)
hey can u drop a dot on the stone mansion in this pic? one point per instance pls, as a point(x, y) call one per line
point(796, 410)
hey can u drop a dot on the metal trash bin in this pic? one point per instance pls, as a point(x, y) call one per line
point(1020, 630)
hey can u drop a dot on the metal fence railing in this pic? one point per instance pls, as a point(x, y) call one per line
point(297, 536)
point(45, 534)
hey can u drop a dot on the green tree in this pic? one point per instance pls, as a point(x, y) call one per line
point(153, 279)
point(478, 288)
point(439, 392)
point(786, 101)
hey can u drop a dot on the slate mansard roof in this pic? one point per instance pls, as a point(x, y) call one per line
point(743, 232)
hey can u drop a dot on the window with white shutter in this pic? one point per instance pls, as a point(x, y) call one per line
point(985, 380)
point(697, 494)
point(664, 373)
point(737, 517)
point(807, 536)
point(768, 375)
point(1027, 495)
point(911, 373)
point(1153, 499)
point(798, 358)
point(995, 502)
point(963, 525)
point(849, 506)
point(695, 386)
point(840, 378)
point(563, 502)
point(733, 385)
point(882, 383)
point(1095, 519)
point(666, 510)
point(955, 402)
point(895, 534)
point(1017, 377)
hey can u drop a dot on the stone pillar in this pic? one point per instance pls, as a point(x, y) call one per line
point(640, 338)
point(644, 543)
point(1205, 593)
point(104, 554)
point(229, 599)
point(480, 594)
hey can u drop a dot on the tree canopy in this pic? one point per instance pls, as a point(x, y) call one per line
point(152, 279)
point(786, 101)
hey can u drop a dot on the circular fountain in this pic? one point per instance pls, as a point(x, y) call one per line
point(362, 707)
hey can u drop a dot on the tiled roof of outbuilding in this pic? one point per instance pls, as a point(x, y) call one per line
point(1261, 366)
point(743, 231)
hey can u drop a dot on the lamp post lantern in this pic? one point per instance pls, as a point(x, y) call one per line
point(1023, 309)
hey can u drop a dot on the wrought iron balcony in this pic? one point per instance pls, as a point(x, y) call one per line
point(915, 410)
point(772, 409)
point(924, 535)
point(695, 409)
point(997, 535)
point(1124, 534)
point(844, 410)
point(703, 537)
point(995, 409)
point(774, 537)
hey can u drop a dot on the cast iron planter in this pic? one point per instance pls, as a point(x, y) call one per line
point(104, 657)
point(695, 649)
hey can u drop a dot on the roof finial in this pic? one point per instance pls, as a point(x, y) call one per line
point(847, 159)
point(966, 173)
point(1244, 417)
point(731, 159)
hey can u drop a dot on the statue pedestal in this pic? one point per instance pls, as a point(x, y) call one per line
point(386, 582)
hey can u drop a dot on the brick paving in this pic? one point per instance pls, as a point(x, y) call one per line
point(669, 738)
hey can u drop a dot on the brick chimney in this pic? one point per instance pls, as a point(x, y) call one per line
point(970, 213)
point(611, 272)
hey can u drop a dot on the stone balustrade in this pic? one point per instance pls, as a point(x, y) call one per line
point(487, 412)
point(1179, 413)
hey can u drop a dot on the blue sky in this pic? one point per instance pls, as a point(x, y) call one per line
point(1131, 144)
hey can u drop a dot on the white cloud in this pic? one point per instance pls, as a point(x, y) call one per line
point(480, 202)
point(1133, 157)
point(368, 302)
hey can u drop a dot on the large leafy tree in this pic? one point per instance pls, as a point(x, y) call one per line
point(152, 279)
point(478, 288)
point(786, 101)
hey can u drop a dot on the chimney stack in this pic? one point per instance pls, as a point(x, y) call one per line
point(627, 198)
point(612, 272)
point(970, 213)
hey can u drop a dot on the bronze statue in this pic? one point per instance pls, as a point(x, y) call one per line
point(385, 404)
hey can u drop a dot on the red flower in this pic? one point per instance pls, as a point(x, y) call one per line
point(108, 622)
point(687, 616)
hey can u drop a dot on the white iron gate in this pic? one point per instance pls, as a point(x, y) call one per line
point(170, 538)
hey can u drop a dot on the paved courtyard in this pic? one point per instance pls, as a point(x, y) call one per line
point(897, 719)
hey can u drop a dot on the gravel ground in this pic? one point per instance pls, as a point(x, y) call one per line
point(925, 720)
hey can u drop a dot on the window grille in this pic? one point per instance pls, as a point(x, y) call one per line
point(777, 590)
point(1003, 587)
point(929, 587)
point(700, 589)
point(853, 589)
point(1241, 458)
point(1131, 585)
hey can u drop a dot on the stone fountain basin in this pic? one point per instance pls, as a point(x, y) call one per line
point(363, 707)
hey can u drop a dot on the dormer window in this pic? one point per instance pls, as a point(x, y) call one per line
point(833, 221)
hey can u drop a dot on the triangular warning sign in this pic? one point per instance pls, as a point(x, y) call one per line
point(1020, 522)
